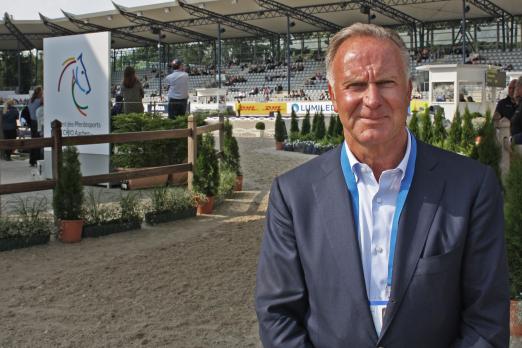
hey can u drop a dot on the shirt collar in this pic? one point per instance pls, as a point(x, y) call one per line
point(355, 165)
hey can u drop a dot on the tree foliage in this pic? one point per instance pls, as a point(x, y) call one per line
point(294, 125)
point(68, 192)
point(280, 133)
point(305, 127)
point(206, 173)
point(413, 126)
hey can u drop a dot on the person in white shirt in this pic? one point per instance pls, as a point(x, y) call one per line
point(178, 90)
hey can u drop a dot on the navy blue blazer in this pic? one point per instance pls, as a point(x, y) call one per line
point(450, 279)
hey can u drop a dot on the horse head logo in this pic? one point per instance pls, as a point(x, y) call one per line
point(79, 80)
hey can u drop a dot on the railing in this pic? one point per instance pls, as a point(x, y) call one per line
point(56, 141)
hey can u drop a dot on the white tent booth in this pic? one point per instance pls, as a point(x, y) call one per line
point(209, 99)
point(453, 86)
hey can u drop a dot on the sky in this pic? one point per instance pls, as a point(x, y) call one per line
point(28, 9)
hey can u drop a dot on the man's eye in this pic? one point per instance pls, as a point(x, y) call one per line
point(356, 86)
point(387, 83)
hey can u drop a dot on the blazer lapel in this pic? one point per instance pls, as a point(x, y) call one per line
point(336, 210)
point(414, 223)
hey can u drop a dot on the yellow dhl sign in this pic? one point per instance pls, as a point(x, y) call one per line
point(418, 105)
point(261, 109)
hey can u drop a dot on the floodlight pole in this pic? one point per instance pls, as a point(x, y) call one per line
point(160, 68)
point(463, 31)
point(219, 55)
point(288, 51)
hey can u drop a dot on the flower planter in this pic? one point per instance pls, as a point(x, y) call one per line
point(109, 227)
point(152, 218)
point(206, 207)
point(515, 318)
point(260, 133)
point(279, 145)
point(22, 242)
point(238, 185)
point(70, 231)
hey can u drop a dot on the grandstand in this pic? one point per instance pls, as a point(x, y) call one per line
point(267, 49)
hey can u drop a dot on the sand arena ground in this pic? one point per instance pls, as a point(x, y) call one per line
point(182, 284)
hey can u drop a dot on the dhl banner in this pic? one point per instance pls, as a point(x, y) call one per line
point(260, 109)
point(418, 105)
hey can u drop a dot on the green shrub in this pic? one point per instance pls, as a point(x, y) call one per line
point(468, 134)
point(94, 212)
point(331, 126)
point(439, 132)
point(230, 158)
point(227, 180)
point(413, 126)
point(513, 218)
point(29, 220)
point(294, 136)
point(260, 125)
point(294, 125)
point(320, 128)
point(170, 199)
point(488, 150)
point(339, 130)
point(426, 128)
point(280, 133)
point(150, 153)
point(305, 126)
point(455, 133)
point(206, 174)
point(68, 192)
point(315, 119)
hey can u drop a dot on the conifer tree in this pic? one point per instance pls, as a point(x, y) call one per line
point(294, 125)
point(455, 133)
point(439, 132)
point(280, 133)
point(339, 130)
point(426, 128)
point(488, 150)
point(331, 126)
point(320, 128)
point(305, 127)
point(414, 125)
point(468, 135)
point(314, 122)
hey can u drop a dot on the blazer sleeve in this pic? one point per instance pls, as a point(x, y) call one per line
point(281, 300)
point(484, 282)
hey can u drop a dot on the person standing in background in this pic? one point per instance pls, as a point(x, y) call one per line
point(132, 92)
point(506, 107)
point(34, 103)
point(178, 90)
point(9, 125)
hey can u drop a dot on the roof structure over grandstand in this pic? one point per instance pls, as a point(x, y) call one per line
point(189, 21)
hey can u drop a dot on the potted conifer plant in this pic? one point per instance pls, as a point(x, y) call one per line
point(68, 197)
point(280, 132)
point(230, 158)
point(206, 174)
point(260, 126)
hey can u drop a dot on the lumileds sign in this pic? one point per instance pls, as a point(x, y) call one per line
point(76, 86)
point(301, 108)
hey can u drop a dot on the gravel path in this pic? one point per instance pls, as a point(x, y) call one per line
point(182, 284)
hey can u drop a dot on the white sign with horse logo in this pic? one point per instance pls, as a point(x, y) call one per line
point(76, 92)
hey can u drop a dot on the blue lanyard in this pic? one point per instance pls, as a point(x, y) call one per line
point(349, 178)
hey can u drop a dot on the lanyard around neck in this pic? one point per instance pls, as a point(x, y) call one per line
point(349, 178)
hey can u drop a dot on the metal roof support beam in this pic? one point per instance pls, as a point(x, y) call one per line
point(85, 25)
point(231, 22)
point(497, 12)
point(391, 12)
point(55, 28)
point(298, 14)
point(20, 37)
point(166, 26)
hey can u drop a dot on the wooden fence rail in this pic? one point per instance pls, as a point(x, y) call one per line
point(56, 141)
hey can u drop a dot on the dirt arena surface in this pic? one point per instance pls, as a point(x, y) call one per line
point(182, 284)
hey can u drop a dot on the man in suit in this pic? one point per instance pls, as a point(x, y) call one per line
point(384, 241)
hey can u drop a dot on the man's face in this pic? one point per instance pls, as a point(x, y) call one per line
point(370, 90)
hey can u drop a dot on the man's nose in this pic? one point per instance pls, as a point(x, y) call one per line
point(372, 97)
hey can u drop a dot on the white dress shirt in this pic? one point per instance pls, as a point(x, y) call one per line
point(377, 202)
point(178, 84)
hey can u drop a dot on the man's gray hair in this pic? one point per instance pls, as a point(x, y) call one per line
point(519, 82)
point(361, 29)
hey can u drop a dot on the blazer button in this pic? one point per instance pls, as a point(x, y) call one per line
point(393, 300)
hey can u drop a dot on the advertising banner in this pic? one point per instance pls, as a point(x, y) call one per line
point(301, 108)
point(76, 86)
point(261, 109)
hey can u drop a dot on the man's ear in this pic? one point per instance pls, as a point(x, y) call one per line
point(332, 97)
point(410, 89)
